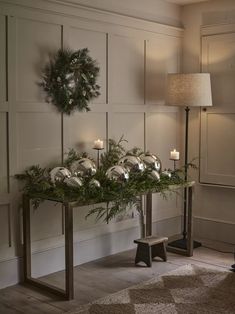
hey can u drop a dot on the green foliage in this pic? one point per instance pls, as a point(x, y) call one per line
point(69, 79)
point(117, 196)
point(36, 181)
point(35, 177)
point(115, 152)
point(73, 156)
point(136, 151)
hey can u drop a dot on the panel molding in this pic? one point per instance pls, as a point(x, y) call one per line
point(7, 225)
point(217, 29)
point(206, 175)
point(214, 229)
point(72, 10)
point(222, 73)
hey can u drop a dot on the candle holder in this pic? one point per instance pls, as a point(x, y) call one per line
point(98, 155)
point(174, 160)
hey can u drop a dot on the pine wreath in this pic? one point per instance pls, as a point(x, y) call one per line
point(69, 79)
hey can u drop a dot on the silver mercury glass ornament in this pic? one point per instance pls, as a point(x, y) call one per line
point(84, 167)
point(166, 174)
point(154, 175)
point(59, 174)
point(73, 182)
point(151, 161)
point(117, 173)
point(132, 163)
point(94, 183)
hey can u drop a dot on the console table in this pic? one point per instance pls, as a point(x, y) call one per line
point(68, 293)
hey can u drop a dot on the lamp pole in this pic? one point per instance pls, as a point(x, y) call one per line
point(187, 90)
point(182, 243)
point(187, 109)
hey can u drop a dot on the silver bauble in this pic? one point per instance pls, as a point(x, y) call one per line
point(117, 173)
point(84, 167)
point(132, 163)
point(166, 174)
point(154, 175)
point(94, 183)
point(151, 161)
point(59, 174)
point(73, 182)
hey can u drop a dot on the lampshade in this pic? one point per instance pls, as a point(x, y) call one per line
point(189, 90)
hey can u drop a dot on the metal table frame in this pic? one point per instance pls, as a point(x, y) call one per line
point(189, 251)
point(68, 293)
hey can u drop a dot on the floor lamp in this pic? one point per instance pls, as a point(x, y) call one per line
point(188, 90)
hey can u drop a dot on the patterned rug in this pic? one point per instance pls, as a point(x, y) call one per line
point(189, 289)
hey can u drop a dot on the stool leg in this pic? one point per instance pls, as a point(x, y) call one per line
point(144, 254)
point(159, 250)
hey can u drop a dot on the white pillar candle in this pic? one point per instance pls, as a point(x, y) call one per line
point(98, 144)
point(174, 155)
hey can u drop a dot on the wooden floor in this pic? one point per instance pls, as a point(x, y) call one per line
point(104, 276)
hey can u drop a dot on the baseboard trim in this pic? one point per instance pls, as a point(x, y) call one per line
point(52, 260)
point(221, 231)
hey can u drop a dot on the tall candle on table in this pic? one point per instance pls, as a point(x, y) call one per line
point(174, 155)
point(98, 144)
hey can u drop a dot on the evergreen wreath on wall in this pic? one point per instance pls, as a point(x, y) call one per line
point(70, 80)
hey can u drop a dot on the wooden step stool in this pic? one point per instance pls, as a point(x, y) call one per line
point(150, 247)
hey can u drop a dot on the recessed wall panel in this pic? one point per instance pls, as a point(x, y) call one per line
point(4, 225)
point(162, 130)
point(217, 151)
point(221, 65)
point(216, 142)
point(82, 129)
point(130, 125)
point(126, 70)
point(162, 57)
point(46, 221)
point(3, 64)
point(218, 147)
point(96, 43)
point(80, 220)
point(3, 153)
point(35, 41)
point(39, 139)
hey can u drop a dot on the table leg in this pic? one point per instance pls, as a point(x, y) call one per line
point(69, 251)
point(68, 293)
point(26, 238)
point(149, 214)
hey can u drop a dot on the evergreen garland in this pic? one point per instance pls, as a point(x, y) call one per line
point(69, 79)
point(117, 196)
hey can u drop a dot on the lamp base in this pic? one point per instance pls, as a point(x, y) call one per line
point(182, 244)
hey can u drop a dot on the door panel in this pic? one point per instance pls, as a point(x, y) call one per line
point(218, 122)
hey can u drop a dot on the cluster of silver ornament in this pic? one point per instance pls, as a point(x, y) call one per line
point(82, 168)
point(85, 168)
point(131, 163)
